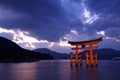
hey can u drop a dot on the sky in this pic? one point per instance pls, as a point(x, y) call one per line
point(51, 24)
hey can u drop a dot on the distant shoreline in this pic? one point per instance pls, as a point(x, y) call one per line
point(29, 61)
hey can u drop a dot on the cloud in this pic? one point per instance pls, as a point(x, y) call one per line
point(108, 12)
point(113, 32)
point(57, 21)
point(42, 18)
point(105, 7)
point(109, 43)
point(25, 40)
point(101, 33)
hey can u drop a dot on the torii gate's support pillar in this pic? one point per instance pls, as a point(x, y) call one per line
point(91, 55)
point(87, 60)
point(95, 59)
point(76, 55)
point(78, 59)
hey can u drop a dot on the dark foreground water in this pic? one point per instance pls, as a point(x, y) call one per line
point(59, 70)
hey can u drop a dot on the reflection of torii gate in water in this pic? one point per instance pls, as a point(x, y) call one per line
point(84, 45)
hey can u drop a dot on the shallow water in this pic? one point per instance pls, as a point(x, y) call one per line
point(59, 70)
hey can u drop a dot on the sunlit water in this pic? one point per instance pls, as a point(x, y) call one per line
point(59, 70)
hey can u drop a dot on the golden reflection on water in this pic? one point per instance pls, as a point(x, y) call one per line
point(23, 71)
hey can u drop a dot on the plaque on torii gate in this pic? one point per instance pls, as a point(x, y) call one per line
point(84, 45)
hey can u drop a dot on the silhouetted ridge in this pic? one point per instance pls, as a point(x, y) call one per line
point(8, 46)
point(11, 52)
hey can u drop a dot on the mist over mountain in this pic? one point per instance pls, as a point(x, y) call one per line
point(11, 52)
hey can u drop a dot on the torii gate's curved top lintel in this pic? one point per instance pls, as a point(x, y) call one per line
point(95, 41)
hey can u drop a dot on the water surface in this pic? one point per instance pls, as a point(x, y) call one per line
point(59, 70)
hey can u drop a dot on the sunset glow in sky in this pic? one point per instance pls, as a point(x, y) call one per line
point(51, 23)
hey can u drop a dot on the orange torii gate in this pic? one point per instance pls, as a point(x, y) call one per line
point(84, 45)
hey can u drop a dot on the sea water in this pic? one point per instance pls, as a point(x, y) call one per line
point(60, 70)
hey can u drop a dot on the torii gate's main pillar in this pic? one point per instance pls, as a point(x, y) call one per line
point(84, 45)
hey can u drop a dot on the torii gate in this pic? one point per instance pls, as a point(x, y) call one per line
point(84, 45)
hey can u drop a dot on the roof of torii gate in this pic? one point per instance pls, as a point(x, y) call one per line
point(95, 41)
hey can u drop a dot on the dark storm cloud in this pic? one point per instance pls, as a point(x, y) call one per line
point(109, 16)
point(113, 32)
point(33, 6)
point(105, 22)
point(77, 1)
point(104, 6)
point(109, 12)
point(45, 19)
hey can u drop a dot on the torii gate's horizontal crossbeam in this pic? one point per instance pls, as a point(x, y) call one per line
point(86, 48)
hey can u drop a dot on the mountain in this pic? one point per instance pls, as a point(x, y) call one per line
point(105, 53)
point(56, 55)
point(102, 53)
point(11, 52)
